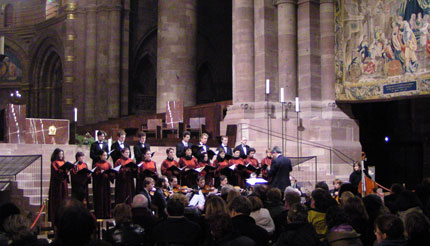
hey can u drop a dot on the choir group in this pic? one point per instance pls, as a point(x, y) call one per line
point(193, 173)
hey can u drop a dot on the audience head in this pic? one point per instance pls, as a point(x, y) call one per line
point(240, 205)
point(291, 197)
point(374, 206)
point(274, 195)
point(348, 187)
point(233, 193)
point(297, 214)
point(260, 190)
point(57, 155)
point(256, 203)
point(397, 188)
point(122, 213)
point(17, 227)
point(221, 226)
point(406, 200)
point(322, 185)
point(226, 189)
point(336, 216)
point(214, 207)
point(139, 201)
point(72, 219)
point(176, 205)
point(417, 227)
point(388, 227)
point(354, 207)
point(321, 200)
point(6, 210)
point(345, 196)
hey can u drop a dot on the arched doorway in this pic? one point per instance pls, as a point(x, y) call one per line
point(45, 89)
point(8, 15)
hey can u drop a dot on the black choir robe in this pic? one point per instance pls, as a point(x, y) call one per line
point(58, 190)
point(95, 151)
point(80, 181)
point(139, 150)
point(124, 182)
point(116, 153)
point(101, 190)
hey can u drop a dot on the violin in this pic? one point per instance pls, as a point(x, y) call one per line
point(166, 192)
point(208, 189)
point(181, 189)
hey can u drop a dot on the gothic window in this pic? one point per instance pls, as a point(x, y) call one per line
point(52, 8)
point(8, 15)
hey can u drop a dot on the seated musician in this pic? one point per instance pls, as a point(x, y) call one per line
point(198, 196)
point(173, 183)
point(161, 196)
point(223, 182)
point(169, 162)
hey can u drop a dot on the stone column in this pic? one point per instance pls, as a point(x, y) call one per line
point(309, 81)
point(176, 52)
point(69, 62)
point(103, 34)
point(125, 43)
point(243, 51)
point(287, 47)
point(113, 81)
point(90, 65)
point(266, 52)
point(327, 50)
point(79, 75)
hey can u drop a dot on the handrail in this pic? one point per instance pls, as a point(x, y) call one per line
point(302, 141)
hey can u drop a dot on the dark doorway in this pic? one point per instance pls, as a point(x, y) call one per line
point(395, 136)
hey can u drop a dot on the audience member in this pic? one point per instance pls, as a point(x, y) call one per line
point(17, 227)
point(320, 203)
point(322, 185)
point(407, 202)
point(141, 215)
point(240, 209)
point(417, 229)
point(374, 208)
point(345, 196)
point(224, 233)
point(339, 230)
point(233, 193)
point(261, 215)
point(390, 200)
point(389, 231)
point(356, 212)
point(225, 190)
point(298, 231)
point(176, 229)
point(125, 232)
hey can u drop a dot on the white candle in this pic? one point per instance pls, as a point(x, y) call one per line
point(282, 95)
point(95, 135)
point(109, 143)
point(76, 114)
point(267, 86)
point(2, 45)
point(297, 104)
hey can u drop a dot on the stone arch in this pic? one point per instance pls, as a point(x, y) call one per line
point(143, 75)
point(46, 78)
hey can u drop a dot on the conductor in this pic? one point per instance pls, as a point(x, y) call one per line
point(280, 169)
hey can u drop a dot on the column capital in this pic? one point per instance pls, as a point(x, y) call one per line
point(279, 2)
point(326, 1)
point(308, 1)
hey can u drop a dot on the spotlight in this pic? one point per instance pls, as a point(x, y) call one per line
point(387, 139)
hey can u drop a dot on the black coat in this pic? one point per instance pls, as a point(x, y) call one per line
point(95, 151)
point(242, 153)
point(229, 151)
point(180, 149)
point(126, 234)
point(116, 153)
point(280, 172)
point(176, 231)
point(139, 151)
point(233, 239)
point(159, 200)
point(298, 234)
point(245, 226)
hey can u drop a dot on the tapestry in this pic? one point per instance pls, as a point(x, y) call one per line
point(382, 49)
point(10, 68)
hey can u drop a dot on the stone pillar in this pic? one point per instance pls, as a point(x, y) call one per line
point(103, 34)
point(69, 62)
point(113, 81)
point(176, 52)
point(80, 89)
point(309, 81)
point(287, 47)
point(327, 50)
point(90, 65)
point(266, 52)
point(125, 43)
point(243, 51)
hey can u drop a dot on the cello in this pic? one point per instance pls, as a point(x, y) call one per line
point(366, 185)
